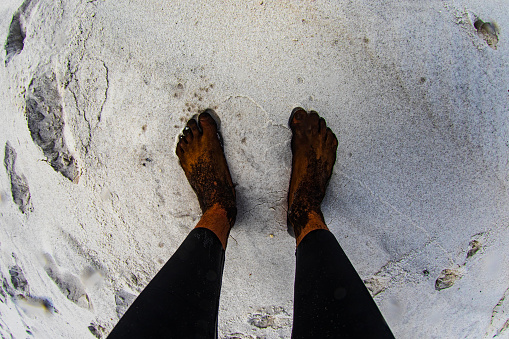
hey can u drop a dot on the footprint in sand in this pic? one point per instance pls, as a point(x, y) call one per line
point(17, 32)
point(70, 284)
point(45, 115)
point(19, 184)
point(447, 278)
point(488, 31)
point(123, 299)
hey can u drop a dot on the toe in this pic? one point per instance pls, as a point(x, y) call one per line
point(179, 151)
point(188, 135)
point(182, 141)
point(313, 121)
point(331, 138)
point(298, 115)
point(193, 126)
point(322, 126)
point(207, 123)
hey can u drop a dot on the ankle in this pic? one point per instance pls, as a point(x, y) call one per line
point(219, 209)
point(306, 220)
point(219, 220)
point(299, 214)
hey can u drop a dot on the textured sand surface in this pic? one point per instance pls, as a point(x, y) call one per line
point(93, 200)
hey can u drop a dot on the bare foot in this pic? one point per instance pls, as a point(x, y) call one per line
point(202, 159)
point(314, 148)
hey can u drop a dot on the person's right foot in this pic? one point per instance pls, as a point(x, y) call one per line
point(314, 148)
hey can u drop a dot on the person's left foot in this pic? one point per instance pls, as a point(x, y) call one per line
point(202, 158)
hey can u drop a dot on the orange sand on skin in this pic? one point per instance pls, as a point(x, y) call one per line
point(216, 220)
point(314, 223)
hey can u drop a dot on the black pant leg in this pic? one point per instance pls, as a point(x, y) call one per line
point(182, 301)
point(331, 300)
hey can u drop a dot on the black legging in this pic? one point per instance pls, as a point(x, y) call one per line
point(182, 301)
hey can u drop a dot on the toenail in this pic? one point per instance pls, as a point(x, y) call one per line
point(205, 114)
point(299, 115)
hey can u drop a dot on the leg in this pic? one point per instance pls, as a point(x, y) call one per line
point(182, 300)
point(331, 300)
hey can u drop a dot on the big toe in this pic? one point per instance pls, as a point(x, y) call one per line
point(298, 116)
point(207, 122)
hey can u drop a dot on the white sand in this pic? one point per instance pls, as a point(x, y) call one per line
point(417, 98)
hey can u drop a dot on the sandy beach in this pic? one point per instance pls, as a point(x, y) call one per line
point(93, 201)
